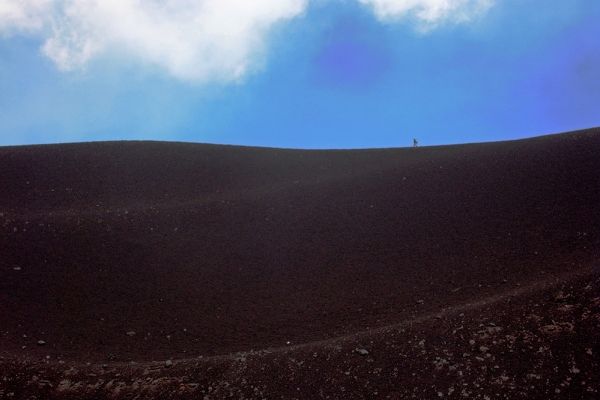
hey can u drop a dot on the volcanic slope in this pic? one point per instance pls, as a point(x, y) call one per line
point(118, 252)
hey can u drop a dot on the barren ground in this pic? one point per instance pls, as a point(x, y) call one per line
point(171, 270)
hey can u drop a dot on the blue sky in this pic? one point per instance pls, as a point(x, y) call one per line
point(297, 73)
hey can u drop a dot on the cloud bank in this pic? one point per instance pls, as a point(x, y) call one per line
point(196, 40)
point(193, 40)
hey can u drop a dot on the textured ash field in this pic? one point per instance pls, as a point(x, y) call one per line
point(173, 270)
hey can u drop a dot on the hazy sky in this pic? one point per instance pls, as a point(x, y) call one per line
point(297, 73)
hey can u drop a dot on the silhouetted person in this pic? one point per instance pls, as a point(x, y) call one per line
point(415, 142)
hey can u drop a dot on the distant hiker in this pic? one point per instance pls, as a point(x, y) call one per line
point(415, 142)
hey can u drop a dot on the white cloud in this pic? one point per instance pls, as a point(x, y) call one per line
point(197, 40)
point(191, 39)
point(429, 13)
point(23, 14)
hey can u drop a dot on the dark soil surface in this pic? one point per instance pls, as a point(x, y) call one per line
point(184, 271)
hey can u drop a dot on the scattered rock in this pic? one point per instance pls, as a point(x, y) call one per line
point(131, 333)
point(420, 301)
point(362, 352)
point(168, 363)
point(561, 297)
point(557, 328)
point(41, 343)
point(483, 349)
